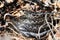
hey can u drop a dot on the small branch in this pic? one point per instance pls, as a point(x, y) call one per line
point(39, 30)
point(49, 27)
point(14, 26)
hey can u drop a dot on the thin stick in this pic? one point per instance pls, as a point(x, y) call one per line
point(49, 27)
point(7, 14)
point(13, 30)
point(39, 30)
point(14, 26)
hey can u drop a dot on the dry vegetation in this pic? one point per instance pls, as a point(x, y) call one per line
point(29, 20)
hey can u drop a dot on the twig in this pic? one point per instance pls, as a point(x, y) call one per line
point(39, 30)
point(49, 27)
point(13, 30)
point(14, 26)
point(7, 14)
